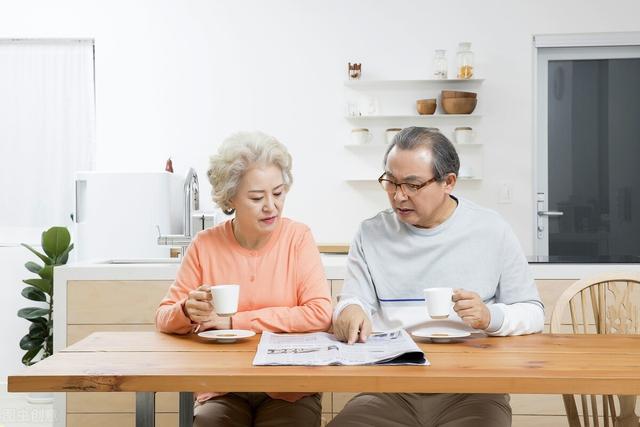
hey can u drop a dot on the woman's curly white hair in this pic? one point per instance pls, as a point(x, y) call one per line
point(236, 155)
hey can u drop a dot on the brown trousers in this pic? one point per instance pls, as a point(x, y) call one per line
point(425, 410)
point(257, 409)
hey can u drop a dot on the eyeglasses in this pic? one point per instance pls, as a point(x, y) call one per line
point(408, 189)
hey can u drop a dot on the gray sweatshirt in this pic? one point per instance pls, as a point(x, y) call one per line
point(391, 262)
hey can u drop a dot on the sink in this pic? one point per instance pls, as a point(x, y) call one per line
point(142, 261)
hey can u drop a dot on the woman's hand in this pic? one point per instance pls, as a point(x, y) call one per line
point(199, 304)
point(199, 308)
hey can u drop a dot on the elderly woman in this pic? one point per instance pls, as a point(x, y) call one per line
point(274, 260)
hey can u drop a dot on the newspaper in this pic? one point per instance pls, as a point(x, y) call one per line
point(319, 348)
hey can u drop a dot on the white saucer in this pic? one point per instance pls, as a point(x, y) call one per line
point(226, 335)
point(440, 335)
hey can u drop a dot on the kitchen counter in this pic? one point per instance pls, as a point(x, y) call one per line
point(335, 268)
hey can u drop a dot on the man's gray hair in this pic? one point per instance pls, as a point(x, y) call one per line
point(445, 157)
point(236, 155)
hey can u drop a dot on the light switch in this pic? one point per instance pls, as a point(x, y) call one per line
point(505, 195)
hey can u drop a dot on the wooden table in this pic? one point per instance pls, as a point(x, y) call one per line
point(149, 362)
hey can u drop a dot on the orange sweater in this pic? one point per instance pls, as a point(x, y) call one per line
point(282, 285)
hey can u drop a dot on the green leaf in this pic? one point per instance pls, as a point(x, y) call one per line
point(44, 258)
point(34, 294)
point(43, 284)
point(33, 312)
point(29, 355)
point(55, 241)
point(38, 331)
point(64, 257)
point(41, 320)
point(49, 345)
point(47, 272)
point(28, 343)
point(33, 267)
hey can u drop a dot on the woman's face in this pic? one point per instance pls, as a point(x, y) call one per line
point(259, 200)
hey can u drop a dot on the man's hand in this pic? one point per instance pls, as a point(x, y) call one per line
point(471, 309)
point(352, 325)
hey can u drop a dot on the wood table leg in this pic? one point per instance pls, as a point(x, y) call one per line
point(186, 409)
point(145, 409)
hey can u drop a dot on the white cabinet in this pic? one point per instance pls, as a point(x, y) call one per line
point(381, 104)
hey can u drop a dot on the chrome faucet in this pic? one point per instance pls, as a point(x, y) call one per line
point(191, 203)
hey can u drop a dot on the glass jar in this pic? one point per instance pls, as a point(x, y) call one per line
point(440, 64)
point(465, 61)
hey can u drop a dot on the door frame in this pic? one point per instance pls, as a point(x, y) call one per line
point(554, 47)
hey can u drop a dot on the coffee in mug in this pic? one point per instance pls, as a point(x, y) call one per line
point(439, 302)
point(225, 299)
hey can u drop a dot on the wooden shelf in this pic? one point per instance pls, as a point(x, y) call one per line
point(427, 117)
point(408, 84)
point(369, 146)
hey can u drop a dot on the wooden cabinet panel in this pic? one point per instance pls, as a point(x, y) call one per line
point(109, 302)
point(550, 291)
point(539, 420)
point(116, 402)
point(120, 420)
point(76, 332)
point(327, 405)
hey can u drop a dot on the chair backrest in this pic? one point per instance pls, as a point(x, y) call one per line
point(607, 304)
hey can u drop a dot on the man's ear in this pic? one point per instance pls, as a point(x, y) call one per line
point(450, 182)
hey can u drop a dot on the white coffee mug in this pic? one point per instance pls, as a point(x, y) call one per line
point(225, 299)
point(439, 302)
point(360, 136)
point(391, 133)
point(465, 171)
point(463, 135)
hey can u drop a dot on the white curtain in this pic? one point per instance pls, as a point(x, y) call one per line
point(47, 131)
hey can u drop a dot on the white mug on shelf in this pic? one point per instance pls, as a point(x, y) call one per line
point(360, 136)
point(465, 171)
point(391, 133)
point(464, 135)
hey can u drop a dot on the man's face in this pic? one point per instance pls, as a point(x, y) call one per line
point(425, 207)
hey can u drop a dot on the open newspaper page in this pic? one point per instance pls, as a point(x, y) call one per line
point(320, 348)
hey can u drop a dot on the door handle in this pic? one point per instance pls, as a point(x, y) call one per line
point(550, 213)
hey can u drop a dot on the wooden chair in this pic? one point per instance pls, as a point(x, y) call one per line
point(607, 304)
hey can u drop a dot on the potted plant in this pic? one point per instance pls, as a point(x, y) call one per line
point(56, 243)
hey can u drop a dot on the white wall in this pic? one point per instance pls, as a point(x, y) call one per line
point(175, 77)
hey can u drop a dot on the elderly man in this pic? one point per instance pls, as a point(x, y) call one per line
point(429, 238)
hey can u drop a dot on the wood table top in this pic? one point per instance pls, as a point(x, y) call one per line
point(153, 361)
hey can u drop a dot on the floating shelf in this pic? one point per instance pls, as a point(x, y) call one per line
point(427, 117)
point(408, 84)
point(371, 146)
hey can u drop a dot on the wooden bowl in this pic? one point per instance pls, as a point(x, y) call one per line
point(457, 94)
point(426, 106)
point(459, 105)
